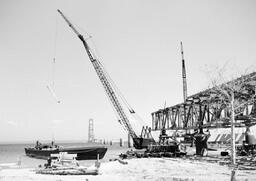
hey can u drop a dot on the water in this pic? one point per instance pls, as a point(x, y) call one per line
point(11, 153)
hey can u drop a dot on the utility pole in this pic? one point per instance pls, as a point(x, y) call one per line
point(233, 141)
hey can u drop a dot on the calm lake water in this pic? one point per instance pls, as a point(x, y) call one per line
point(11, 153)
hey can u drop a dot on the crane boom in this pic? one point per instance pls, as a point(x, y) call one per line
point(183, 74)
point(105, 82)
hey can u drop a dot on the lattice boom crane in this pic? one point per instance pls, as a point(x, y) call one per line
point(107, 86)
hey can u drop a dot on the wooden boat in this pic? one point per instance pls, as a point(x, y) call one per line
point(66, 164)
point(43, 151)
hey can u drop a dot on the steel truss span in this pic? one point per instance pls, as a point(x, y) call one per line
point(208, 109)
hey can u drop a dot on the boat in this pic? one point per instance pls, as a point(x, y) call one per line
point(44, 151)
point(66, 164)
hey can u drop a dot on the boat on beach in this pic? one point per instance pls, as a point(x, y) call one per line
point(43, 151)
point(66, 164)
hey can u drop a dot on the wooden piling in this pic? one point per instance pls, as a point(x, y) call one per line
point(129, 141)
point(121, 142)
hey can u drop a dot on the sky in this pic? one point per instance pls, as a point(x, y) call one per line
point(138, 41)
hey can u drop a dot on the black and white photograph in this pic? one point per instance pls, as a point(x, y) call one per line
point(127, 90)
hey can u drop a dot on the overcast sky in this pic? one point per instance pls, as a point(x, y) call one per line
point(138, 41)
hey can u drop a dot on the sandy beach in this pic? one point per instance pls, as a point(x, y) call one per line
point(139, 169)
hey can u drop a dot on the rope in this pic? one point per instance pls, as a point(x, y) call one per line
point(51, 84)
point(54, 52)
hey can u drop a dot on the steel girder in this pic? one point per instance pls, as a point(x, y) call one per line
point(210, 109)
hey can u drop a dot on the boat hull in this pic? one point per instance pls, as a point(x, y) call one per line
point(83, 153)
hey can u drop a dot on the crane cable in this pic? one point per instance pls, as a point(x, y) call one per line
point(121, 96)
point(104, 71)
point(119, 93)
point(51, 84)
point(54, 52)
point(117, 90)
point(107, 76)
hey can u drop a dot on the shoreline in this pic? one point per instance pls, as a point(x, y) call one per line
point(139, 169)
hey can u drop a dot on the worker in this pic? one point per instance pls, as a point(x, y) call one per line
point(201, 142)
point(38, 145)
point(207, 135)
point(49, 162)
point(249, 137)
point(250, 141)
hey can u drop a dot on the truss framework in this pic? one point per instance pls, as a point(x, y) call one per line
point(208, 109)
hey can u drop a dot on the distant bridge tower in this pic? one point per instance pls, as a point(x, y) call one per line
point(90, 132)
